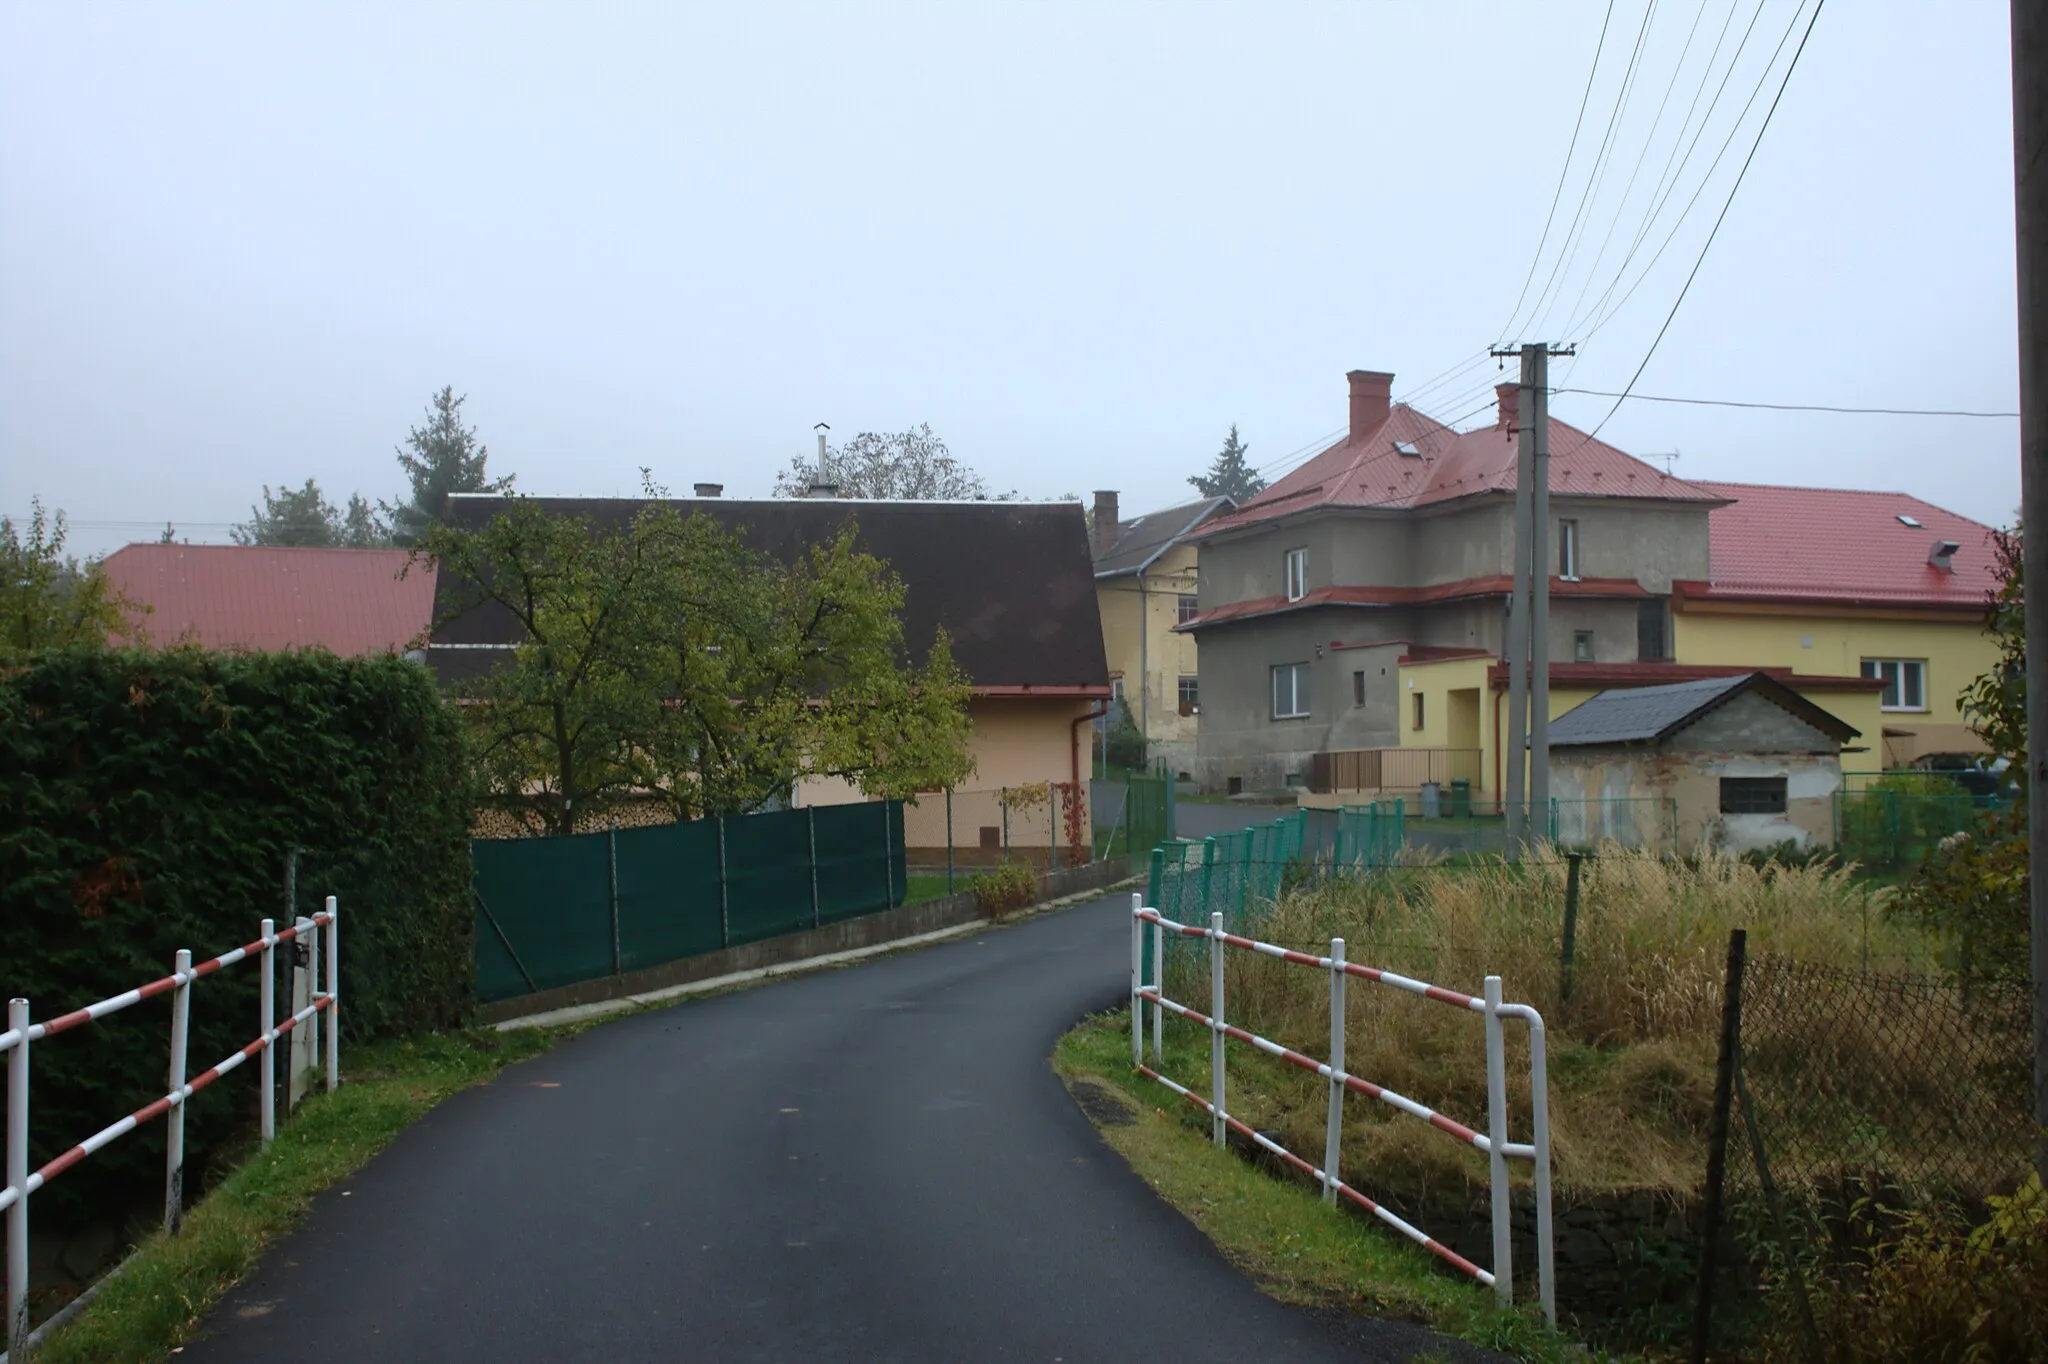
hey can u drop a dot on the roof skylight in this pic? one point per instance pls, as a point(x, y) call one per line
point(1408, 448)
point(1906, 520)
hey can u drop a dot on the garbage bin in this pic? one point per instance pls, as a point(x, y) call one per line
point(1432, 799)
point(1461, 797)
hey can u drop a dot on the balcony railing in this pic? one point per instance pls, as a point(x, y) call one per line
point(1391, 769)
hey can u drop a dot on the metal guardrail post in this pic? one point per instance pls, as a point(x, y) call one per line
point(1497, 1137)
point(333, 936)
point(1137, 981)
point(1217, 1130)
point(174, 1122)
point(1333, 1135)
point(17, 1178)
point(1159, 984)
point(266, 1020)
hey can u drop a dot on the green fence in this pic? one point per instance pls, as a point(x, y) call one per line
point(556, 911)
point(1370, 835)
point(1233, 873)
point(1148, 812)
point(1880, 828)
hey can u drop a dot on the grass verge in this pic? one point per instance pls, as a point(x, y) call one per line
point(1294, 1247)
point(169, 1284)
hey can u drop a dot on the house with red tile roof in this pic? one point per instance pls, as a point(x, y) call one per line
point(1829, 581)
point(1357, 607)
point(264, 597)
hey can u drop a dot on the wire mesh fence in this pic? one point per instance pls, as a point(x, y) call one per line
point(1885, 828)
point(1855, 1097)
point(1645, 823)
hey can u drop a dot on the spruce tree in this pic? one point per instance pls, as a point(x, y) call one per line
point(1230, 476)
point(439, 458)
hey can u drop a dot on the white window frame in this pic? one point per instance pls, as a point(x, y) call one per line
point(1193, 705)
point(1893, 697)
point(1186, 608)
point(1568, 549)
point(1297, 690)
point(1297, 573)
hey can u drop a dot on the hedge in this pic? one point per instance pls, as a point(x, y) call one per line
point(148, 802)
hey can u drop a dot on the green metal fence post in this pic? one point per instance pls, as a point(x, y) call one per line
point(949, 840)
point(1158, 868)
point(1208, 870)
point(1244, 878)
point(811, 827)
point(611, 839)
point(1172, 818)
point(888, 860)
point(724, 908)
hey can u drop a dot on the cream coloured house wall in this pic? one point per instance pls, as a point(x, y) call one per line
point(1138, 637)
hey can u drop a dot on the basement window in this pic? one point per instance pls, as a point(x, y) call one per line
point(1752, 795)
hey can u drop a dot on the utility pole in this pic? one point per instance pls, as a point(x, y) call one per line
point(2030, 214)
point(1528, 643)
point(1536, 362)
point(1515, 796)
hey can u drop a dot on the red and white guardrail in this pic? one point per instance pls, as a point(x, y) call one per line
point(20, 1033)
point(1494, 1141)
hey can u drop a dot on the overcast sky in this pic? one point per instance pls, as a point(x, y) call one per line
point(242, 244)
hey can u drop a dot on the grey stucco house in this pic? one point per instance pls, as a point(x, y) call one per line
point(1395, 544)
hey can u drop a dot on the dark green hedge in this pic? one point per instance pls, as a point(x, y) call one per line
point(148, 802)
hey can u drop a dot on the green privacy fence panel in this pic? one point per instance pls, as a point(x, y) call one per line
point(1148, 812)
point(543, 913)
point(668, 893)
point(555, 911)
point(1899, 828)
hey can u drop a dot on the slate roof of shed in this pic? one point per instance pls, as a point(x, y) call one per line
point(1142, 539)
point(1646, 714)
point(1011, 582)
point(350, 601)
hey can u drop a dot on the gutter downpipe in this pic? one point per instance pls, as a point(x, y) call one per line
point(1100, 709)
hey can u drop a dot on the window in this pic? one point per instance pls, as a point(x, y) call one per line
point(1653, 639)
point(1418, 710)
point(1752, 795)
point(1290, 691)
point(1582, 646)
point(1297, 574)
point(1190, 702)
point(1568, 550)
point(1187, 607)
point(1358, 689)
point(1905, 682)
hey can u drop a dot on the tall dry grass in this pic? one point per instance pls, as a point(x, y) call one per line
point(1632, 1046)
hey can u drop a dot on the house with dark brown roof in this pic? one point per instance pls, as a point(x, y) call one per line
point(1145, 580)
point(1009, 582)
point(264, 597)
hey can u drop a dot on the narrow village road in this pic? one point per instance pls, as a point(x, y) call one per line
point(874, 1163)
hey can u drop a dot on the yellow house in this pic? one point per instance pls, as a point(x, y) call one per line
point(1870, 604)
point(1145, 576)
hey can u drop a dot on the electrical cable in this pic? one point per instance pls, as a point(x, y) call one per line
point(1791, 407)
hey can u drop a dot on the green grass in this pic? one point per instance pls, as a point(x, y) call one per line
point(1281, 1234)
point(169, 1284)
point(919, 887)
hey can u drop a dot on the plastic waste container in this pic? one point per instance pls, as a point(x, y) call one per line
point(1461, 797)
point(1432, 799)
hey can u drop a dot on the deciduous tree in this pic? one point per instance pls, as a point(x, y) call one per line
point(912, 465)
point(47, 598)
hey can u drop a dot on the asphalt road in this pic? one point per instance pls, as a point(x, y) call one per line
point(874, 1163)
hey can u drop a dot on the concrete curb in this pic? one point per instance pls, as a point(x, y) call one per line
point(580, 1013)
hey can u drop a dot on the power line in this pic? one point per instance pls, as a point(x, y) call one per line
point(1563, 174)
point(1722, 217)
point(1790, 407)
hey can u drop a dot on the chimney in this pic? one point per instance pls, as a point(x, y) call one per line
point(821, 481)
point(1943, 555)
point(1105, 521)
point(1371, 395)
point(1510, 396)
point(709, 489)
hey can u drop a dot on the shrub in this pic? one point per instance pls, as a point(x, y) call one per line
point(1125, 748)
point(148, 801)
point(1005, 887)
point(1972, 890)
point(1943, 1292)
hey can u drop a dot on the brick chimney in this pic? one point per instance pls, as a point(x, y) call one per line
point(1510, 396)
point(1105, 521)
point(1371, 400)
